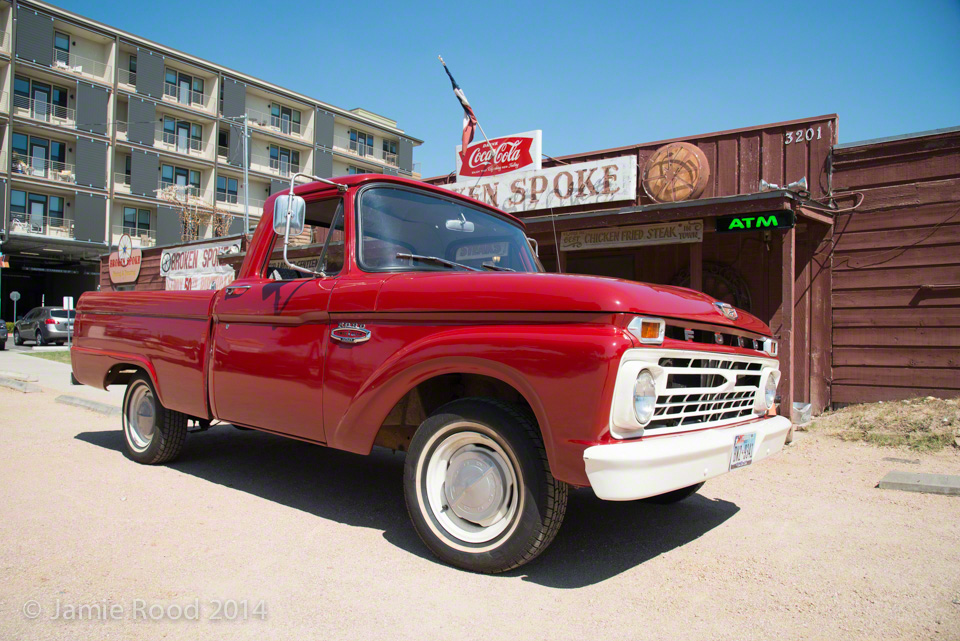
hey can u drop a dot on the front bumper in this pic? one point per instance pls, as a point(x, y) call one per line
point(652, 466)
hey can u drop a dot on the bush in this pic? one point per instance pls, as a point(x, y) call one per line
point(10, 328)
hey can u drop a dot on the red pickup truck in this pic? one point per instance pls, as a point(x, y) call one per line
point(375, 310)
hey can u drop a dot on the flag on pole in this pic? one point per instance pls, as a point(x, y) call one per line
point(469, 119)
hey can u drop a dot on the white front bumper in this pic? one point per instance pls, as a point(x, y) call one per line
point(639, 469)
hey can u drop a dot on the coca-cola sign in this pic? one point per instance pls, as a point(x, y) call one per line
point(500, 156)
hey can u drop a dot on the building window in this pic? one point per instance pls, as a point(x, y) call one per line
point(196, 135)
point(227, 189)
point(61, 49)
point(171, 175)
point(361, 143)
point(284, 160)
point(18, 202)
point(285, 119)
point(353, 171)
point(41, 99)
point(127, 160)
point(136, 221)
point(21, 91)
point(38, 157)
point(183, 87)
point(390, 151)
point(195, 178)
point(223, 138)
point(56, 211)
point(133, 64)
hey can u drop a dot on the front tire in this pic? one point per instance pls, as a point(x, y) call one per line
point(152, 433)
point(17, 339)
point(478, 486)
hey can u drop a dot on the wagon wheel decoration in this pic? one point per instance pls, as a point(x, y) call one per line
point(720, 281)
point(676, 172)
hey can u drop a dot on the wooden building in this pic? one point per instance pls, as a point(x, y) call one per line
point(849, 334)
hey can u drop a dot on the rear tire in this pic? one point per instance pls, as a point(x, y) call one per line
point(478, 486)
point(152, 433)
point(39, 338)
point(674, 497)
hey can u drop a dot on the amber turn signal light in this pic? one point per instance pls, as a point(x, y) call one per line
point(648, 331)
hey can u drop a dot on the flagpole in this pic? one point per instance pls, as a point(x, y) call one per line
point(479, 126)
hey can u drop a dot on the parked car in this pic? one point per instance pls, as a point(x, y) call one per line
point(413, 318)
point(44, 326)
point(3, 335)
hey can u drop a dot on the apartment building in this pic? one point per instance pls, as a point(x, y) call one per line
point(104, 133)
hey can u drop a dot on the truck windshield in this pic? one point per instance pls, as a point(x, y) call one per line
point(403, 229)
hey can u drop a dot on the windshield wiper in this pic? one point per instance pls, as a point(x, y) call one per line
point(497, 268)
point(437, 260)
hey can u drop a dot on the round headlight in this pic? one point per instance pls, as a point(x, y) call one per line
point(770, 391)
point(644, 397)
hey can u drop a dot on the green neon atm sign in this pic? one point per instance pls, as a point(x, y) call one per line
point(781, 219)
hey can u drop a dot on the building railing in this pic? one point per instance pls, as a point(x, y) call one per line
point(184, 96)
point(235, 202)
point(44, 111)
point(269, 122)
point(416, 169)
point(121, 182)
point(362, 150)
point(222, 151)
point(183, 144)
point(179, 192)
point(127, 77)
point(43, 168)
point(140, 237)
point(273, 166)
point(34, 224)
point(69, 61)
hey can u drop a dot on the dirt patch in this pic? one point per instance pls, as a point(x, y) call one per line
point(924, 424)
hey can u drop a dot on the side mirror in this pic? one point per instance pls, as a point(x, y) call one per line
point(297, 208)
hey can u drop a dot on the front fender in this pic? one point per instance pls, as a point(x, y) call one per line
point(565, 372)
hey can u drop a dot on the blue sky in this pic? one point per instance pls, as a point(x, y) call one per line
point(590, 75)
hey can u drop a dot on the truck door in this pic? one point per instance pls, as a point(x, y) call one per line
point(270, 333)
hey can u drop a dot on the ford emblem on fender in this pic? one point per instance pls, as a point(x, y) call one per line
point(727, 310)
point(350, 333)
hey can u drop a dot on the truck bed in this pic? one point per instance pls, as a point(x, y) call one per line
point(165, 332)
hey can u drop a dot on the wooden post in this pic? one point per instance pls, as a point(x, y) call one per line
point(787, 301)
point(696, 266)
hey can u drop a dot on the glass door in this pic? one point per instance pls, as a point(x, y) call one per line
point(284, 162)
point(39, 153)
point(184, 86)
point(38, 212)
point(41, 101)
point(183, 137)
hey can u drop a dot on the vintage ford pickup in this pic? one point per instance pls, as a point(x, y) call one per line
point(375, 310)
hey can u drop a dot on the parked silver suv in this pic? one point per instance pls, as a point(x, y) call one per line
point(44, 325)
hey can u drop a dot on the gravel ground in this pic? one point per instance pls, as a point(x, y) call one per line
point(801, 546)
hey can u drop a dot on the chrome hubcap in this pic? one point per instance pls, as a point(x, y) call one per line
point(470, 486)
point(141, 418)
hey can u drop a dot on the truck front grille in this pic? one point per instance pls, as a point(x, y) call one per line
point(710, 390)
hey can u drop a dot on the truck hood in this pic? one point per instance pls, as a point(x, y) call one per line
point(542, 292)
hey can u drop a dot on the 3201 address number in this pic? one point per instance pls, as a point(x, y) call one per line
point(802, 135)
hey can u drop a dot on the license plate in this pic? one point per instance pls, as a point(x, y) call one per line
point(742, 450)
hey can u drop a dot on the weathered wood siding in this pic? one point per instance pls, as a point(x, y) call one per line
point(896, 270)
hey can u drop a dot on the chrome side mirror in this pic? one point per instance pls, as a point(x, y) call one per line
point(293, 205)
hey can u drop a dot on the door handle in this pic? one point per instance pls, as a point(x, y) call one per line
point(233, 289)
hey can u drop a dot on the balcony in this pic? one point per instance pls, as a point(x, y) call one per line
point(121, 182)
point(223, 152)
point(179, 143)
point(184, 96)
point(72, 63)
point(182, 194)
point(367, 152)
point(268, 165)
point(36, 225)
point(276, 124)
point(44, 111)
point(127, 77)
point(43, 168)
point(141, 237)
point(234, 202)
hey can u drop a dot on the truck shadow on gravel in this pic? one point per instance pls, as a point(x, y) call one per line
point(598, 539)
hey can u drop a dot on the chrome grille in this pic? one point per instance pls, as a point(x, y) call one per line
point(702, 391)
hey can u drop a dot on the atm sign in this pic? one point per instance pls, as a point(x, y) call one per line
point(781, 219)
